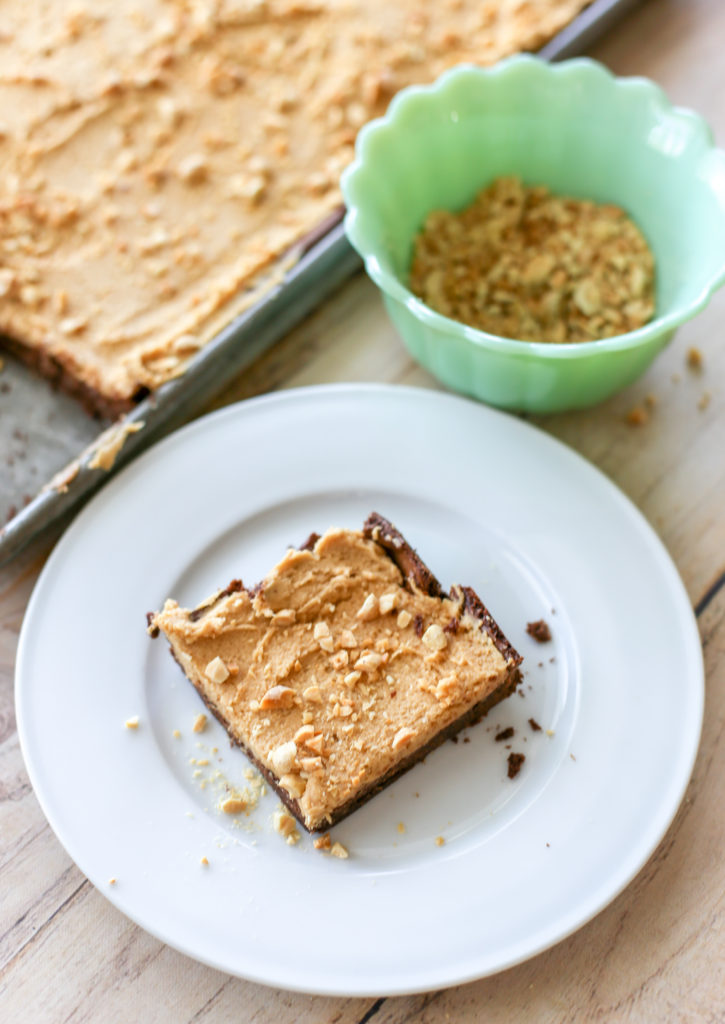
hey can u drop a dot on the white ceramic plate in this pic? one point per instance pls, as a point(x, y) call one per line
point(488, 501)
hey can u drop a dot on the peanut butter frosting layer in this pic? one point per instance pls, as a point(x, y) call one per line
point(156, 157)
point(337, 668)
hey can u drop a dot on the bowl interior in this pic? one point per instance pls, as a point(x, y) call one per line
point(575, 129)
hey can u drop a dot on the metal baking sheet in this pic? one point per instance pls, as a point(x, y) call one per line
point(46, 437)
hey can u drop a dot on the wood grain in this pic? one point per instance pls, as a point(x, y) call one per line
point(657, 953)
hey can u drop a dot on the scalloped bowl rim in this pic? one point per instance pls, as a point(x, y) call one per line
point(389, 282)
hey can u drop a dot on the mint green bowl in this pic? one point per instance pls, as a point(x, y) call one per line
point(576, 128)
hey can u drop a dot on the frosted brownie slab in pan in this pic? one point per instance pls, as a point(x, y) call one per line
point(157, 159)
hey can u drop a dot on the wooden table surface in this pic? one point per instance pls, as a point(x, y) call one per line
point(657, 953)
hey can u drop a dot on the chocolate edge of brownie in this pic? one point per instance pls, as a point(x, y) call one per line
point(380, 530)
point(407, 559)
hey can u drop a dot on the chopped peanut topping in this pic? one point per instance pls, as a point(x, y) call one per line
point(294, 784)
point(369, 609)
point(522, 263)
point(193, 168)
point(402, 737)
point(316, 743)
point(285, 617)
point(347, 639)
point(217, 671)
point(369, 661)
point(305, 733)
point(322, 635)
point(435, 638)
point(283, 757)
point(278, 697)
point(446, 687)
point(388, 603)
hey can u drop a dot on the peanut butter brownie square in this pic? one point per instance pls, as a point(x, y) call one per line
point(343, 668)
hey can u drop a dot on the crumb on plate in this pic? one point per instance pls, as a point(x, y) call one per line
point(515, 763)
point(539, 630)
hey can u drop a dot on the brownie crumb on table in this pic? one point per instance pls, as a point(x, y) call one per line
point(694, 358)
point(505, 734)
point(637, 416)
point(539, 630)
point(515, 762)
point(534, 725)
